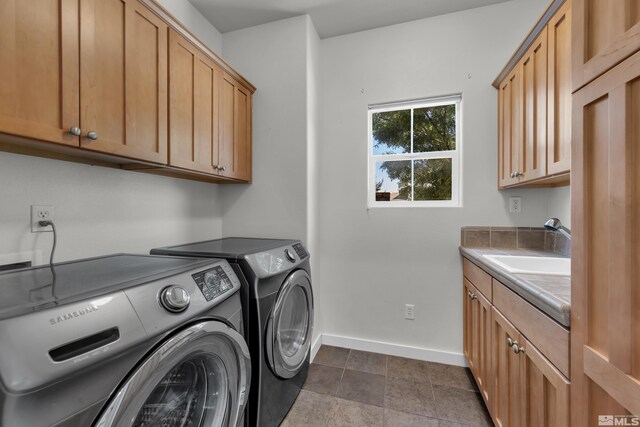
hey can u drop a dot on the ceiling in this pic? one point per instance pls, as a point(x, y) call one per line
point(330, 17)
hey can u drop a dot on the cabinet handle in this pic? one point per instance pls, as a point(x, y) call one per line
point(471, 295)
point(75, 131)
point(511, 343)
point(92, 135)
point(223, 168)
point(517, 349)
point(517, 174)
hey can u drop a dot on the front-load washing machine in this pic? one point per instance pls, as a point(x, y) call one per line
point(123, 340)
point(277, 276)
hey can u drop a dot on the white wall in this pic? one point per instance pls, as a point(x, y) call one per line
point(560, 204)
point(375, 261)
point(313, 183)
point(274, 58)
point(100, 210)
point(282, 60)
point(193, 20)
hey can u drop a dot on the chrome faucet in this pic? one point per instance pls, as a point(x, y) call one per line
point(554, 224)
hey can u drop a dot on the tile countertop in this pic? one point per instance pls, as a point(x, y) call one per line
point(550, 294)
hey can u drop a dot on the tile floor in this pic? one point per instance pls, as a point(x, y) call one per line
point(353, 388)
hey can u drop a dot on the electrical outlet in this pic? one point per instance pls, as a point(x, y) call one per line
point(41, 213)
point(409, 311)
point(515, 204)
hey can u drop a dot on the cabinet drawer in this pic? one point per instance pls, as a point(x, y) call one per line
point(478, 277)
point(543, 332)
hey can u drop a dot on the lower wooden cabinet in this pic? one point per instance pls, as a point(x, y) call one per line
point(545, 391)
point(477, 343)
point(505, 406)
point(519, 384)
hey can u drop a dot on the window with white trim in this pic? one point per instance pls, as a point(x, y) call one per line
point(414, 153)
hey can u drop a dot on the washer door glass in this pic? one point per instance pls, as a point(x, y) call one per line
point(194, 393)
point(198, 378)
point(290, 326)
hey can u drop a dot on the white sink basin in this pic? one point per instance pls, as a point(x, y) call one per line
point(532, 265)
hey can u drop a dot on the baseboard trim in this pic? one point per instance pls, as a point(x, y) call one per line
point(390, 349)
point(315, 347)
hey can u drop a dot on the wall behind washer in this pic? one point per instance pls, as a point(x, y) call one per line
point(282, 59)
point(373, 262)
point(101, 210)
point(274, 58)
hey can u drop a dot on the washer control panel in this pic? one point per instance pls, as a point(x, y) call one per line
point(289, 255)
point(175, 298)
point(213, 282)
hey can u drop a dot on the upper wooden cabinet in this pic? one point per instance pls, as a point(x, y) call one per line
point(123, 80)
point(559, 92)
point(605, 32)
point(39, 69)
point(194, 96)
point(534, 108)
point(102, 79)
point(209, 115)
point(509, 122)
point(234, 160)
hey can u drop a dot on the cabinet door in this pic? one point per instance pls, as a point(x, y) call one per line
point(39, 69)
point(484, 347)
point(506, 396)
point(510, 122)
point(545, 390)
point(469, 331)
point(123, 80)
point(605, 198)
point(533, 145)
point(193, 107)
point(605, 32)
point(235, 130)
point(559, 104)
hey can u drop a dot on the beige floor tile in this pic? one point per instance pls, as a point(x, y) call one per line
point(374, 363)
point(451, 376)
point(310, 410)
point(362, 387)
point(402, 419)
point(399, 367)
point(346, 413)
point(412, 396)
point(323, 379)
point(332, 356)
point(455, 404)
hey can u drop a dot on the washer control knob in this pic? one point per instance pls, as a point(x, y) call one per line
point(175, 298)
point(290, 255)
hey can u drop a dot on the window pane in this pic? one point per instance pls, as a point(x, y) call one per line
point(432, 179)
point(434, 128)
point(393, 181)
point(391, 132)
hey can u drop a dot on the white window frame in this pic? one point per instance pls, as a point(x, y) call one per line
point(454, 155)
